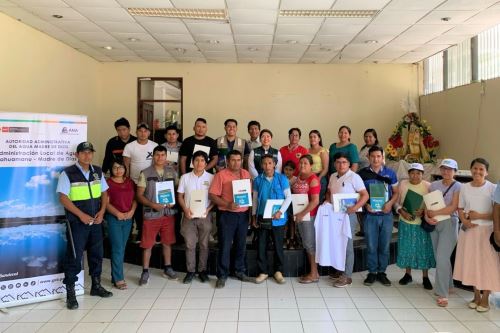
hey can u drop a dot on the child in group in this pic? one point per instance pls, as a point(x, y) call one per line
point(290, 230)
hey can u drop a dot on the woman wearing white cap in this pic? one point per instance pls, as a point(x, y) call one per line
point(414, 243)
point(477, 264)
point(444, 236)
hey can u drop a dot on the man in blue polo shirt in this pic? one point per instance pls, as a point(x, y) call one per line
point(381, 183)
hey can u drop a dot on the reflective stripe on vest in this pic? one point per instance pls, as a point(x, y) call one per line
point(80, 190)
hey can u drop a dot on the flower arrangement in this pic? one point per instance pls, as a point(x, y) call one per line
point(411, 140)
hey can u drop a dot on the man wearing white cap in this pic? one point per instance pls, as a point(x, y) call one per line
point(444, 236)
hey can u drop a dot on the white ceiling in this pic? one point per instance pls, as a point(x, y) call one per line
point(406, 31)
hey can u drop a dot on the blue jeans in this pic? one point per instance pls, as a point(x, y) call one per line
point(378, 233)
point(232, 228)
point(118, 236)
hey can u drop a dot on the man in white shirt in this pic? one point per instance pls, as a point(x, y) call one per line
point(137, 156)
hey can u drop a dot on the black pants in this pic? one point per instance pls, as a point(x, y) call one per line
point(139, 219)
point(232, 229)
point(277, 235)
point(85, 237)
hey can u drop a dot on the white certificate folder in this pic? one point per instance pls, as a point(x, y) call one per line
point(165, 193)
point(342, 201)
point(198, 203)
point(435, 201)
point(242, 192)
point(272, 206)
point(299, 203)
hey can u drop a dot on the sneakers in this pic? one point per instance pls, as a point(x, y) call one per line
point(405, 279)
point(144, 278)
point(342, 282)
point(335, 275)
point(169, 273)
point(221, 283)
point(427, 283)
point(382, 278)
point(261, 278)
point(370, 279)
point(188, 278)
point(279, 277)
point(203, 276)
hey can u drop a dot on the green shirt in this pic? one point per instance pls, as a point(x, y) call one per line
point(350, 150)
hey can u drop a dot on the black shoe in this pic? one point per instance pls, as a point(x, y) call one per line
point(370, 279)
point(427, 283)
point(382, 278)
point(188, 278)
point(221, 283)
point(243, 277)
point(203, 276)
point(98, 290)
point(406, 279)
point(71, 302)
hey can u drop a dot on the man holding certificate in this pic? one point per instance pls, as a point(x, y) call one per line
point(382, 185)
point(155, 191)
point(271, 198)
point(343, 186)
point(197, 222)
point(233, 224)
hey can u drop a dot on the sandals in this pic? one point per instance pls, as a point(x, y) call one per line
point(121, 285)
point(481, 308)
point(442, 302)
point(306, 280)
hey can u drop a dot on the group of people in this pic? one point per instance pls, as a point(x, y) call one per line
point(204, 169)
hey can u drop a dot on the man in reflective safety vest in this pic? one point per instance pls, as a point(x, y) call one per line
point(82, 191)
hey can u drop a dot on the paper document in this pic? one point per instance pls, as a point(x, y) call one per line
point(196, 148)
point(435, 201)
point(272, 206)
point(165, 193)
point(299, 203)
point(198, 203)
point(242, 194)
point(342, 201)
point(173, 156)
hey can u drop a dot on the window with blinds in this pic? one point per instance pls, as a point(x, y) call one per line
point(459, 65)
point(488, 48)
point(433, 73)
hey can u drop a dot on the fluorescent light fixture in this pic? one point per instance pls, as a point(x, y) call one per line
point(182, 13)
point(107, 47)
point(327, 13)
point(57, 16)
point(132, 39)
point(371, 41)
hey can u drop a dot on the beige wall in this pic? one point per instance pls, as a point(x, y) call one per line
point(40, 74)
point(319, 97)
point(466, 121)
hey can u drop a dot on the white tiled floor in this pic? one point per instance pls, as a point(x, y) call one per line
point(168, 306)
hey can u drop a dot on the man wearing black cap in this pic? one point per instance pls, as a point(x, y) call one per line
point(82, 192)
point(137, 156)
point(115, 145)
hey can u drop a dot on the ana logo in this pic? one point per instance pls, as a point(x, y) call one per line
point(70, 131)
point(64, 130)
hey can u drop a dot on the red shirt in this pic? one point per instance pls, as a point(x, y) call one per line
point(303, 186)
point(222, 186)
point(293, 155)
point(121, 195)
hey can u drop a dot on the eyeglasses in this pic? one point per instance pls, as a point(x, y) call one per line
point(118, 167)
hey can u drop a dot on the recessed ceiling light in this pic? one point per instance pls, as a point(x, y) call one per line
point(132, 39)
point(253, 49)
point(213, 41)
point(371, 41)
point(183, 13)
point(327, 13)
point(107, 47)
point(180, 50)
point(325, 49)
point(291, 41)
point(57, 16)
point(445, 19)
